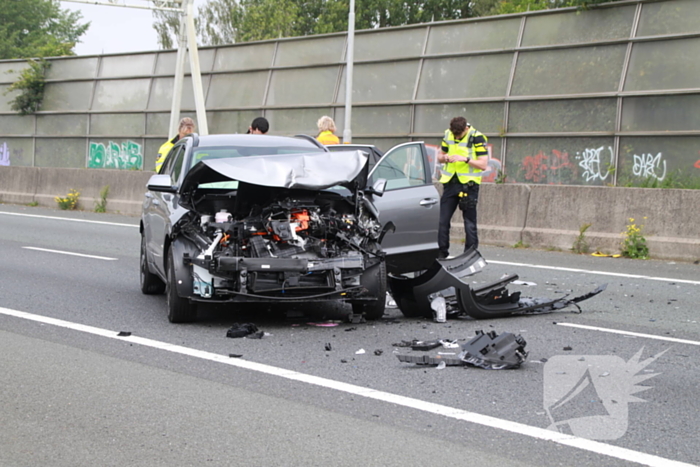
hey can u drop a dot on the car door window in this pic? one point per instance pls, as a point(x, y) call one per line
point(402, 167)
point(176, 167)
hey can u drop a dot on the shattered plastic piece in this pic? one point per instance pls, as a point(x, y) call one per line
point(425, 345)
point(449, 277)
point(402, 344)
point(124, 334)
point(441, 366)
point(329, 347)
point(378, 352)
point(360, 352)
point(241, 330)
point(449, 344)
point(525, 283)
point(390, 303)
point(568, 348)
point(439, 309)
point(323, 325)
point(350, 329)
point(343, 360)
point(257, 335)
point(235, 355)
point(493, 351)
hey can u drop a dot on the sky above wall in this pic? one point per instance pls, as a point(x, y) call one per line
point(116, 29)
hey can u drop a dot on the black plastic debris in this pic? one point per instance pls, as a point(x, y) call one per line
point(449, 278)
point(328, 347)
point(426, 345)
point(351, 329)
point(378, 352)
point(490, 351)
point(256, 335)
point(124, 334)
point(568, 348)
point(235, 355)
point(242, 330)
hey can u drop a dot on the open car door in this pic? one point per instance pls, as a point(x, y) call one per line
point(412, 203)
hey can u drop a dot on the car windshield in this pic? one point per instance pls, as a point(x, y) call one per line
point(224, 152)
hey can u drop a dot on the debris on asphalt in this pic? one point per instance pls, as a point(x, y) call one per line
point(356, 318)
point(525, 283)
point(242, 330)
point(441, 366)
point(378, 352)
point(449, 344)
point(360, 352)
point(351, 329)
point(124, 334)
point(448, 278)
point(426, 345)
point(402, 344)
point(489, 351)
point(439, 307)
point(328, 347)
point(568, 348)
point(257, 335)
point(326, 324)
point(235, 355)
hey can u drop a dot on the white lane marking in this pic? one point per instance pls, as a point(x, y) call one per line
point(629, 333)
point(68, 219)
point(603, 273)
point(429, 407)
point(69, 253)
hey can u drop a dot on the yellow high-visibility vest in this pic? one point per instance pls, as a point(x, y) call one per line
point(465, 172)
point(327, 137)
point(164, 150)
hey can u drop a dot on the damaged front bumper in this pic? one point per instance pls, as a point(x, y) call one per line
point(446, 278)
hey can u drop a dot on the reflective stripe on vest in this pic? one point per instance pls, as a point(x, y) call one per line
point(465, 172)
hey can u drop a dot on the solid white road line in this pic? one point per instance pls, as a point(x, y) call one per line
point(436, 409)
point(629, 333)
point(602, 273)
point(86, 221)
point(69, 253)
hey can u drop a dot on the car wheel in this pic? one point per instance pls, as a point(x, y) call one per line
point(150, 283)
point(180, 310)
point(410, 309)
point(374, 280)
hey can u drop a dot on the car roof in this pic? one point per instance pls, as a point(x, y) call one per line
point(252, 141)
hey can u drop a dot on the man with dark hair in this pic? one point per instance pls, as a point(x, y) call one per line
point(260, 126)
point(465, 156)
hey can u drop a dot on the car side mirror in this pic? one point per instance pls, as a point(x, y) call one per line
point(161, 183)
point(377, 188)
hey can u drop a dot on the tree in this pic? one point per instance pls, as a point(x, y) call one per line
point(38, 28)
point(229, 21)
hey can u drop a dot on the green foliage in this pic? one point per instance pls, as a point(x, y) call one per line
point(677, 179)
point(30, 86)
point(70, 201)
point(101, 204)
point(38, 28)
point(634, 244)
point(33, 204)
point(500, 177)
point(520, 244)
point(580, 245)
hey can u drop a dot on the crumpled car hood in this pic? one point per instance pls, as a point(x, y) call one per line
point(309, 171)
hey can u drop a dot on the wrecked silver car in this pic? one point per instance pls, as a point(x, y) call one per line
point(249, 218)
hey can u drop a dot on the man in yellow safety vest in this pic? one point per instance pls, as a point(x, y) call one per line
point(185, 128)
point(465, 156)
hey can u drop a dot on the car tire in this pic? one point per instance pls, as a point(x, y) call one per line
point(410, 309)
point(180, 310)
point(150, 283)
point(374, 280)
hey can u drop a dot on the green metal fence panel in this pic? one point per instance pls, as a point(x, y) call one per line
point(17, 152)
point(661, 113)
point(664, 65)
point(60, 152)
point(310, 51)
point(389, 45)
point(237, 90)
point(457, 78)
point(73, 68)
point(654, 161)
point(300, 87)
point(61, 125)
point(435, 118)
point(381, 82)
point(473, 37)
point(677, 17)
point(68, 96)
point(117, 124)
point(127, 94)
point(563, 116)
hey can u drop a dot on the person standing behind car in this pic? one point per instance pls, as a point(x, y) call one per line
point(260, 126)
point(326, 128)
point(185, 128)
point(465, 156)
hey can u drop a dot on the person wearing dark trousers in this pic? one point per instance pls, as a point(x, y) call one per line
point(464, 156)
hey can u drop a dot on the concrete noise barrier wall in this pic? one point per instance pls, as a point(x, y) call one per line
point(24, 185)
point(542, 216)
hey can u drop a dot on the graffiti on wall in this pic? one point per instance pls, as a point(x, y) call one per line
point(590, 160)
point(125, 156)
point(549, 168)
point(4, 154)
point(649, 166)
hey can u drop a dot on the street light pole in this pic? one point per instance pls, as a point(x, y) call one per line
point(350, 57)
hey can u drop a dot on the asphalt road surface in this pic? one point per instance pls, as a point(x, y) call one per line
point(75, 393)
